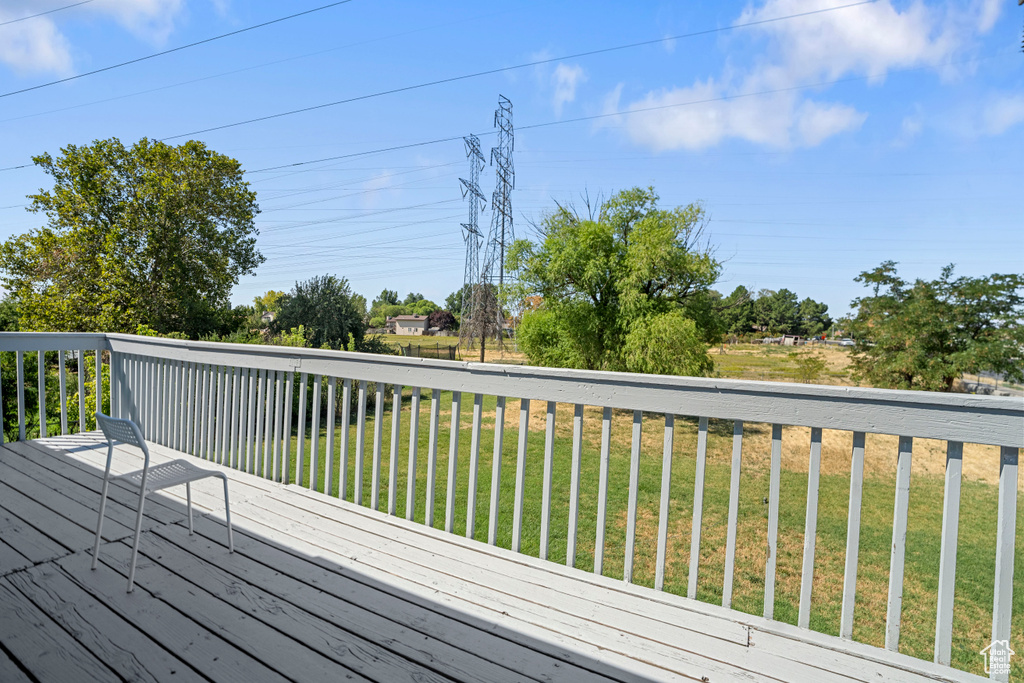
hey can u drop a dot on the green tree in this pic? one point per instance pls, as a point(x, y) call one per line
point(322, 309)
point(270, 302)
point(926, 334)
point(155, 234)
point(453, 302)
point(412, 297)
point(738, 312)
point(813, 318)
point(617, 287)
point(777, 312)
point(423, 307)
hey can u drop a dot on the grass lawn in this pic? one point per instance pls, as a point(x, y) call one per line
point(976, 557)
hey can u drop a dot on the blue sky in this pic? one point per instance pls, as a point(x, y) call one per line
point(820, 145)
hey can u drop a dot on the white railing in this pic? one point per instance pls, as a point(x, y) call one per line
point(231, 404)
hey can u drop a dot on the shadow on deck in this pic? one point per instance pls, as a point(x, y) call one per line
point(321, 589)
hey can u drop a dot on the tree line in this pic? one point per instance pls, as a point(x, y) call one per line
point(152, 238)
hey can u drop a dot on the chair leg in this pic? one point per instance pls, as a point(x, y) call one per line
point(135, 545)
point(227, 516)
point(99, 522)
point(188, 497)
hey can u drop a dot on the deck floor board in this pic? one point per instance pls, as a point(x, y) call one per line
point(320, 589)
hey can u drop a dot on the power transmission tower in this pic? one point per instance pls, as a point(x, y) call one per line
point(493, 277)
point(473, 238)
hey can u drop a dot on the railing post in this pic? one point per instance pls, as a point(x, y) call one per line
point(852, 536)
point(947, 554)
point(634, 482)
point(734, 510)
point(698, 507)
point(899, 542)
point(1006, 533)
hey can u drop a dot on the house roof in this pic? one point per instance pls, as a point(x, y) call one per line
point(407, 318)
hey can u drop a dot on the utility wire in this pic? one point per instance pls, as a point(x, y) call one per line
point(525, 65)
point(173, 49)
point(49, 11)
point(623, 112)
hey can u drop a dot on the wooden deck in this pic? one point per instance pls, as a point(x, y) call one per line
point(320, 589)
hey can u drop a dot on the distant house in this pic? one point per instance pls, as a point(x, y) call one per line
point(268, 317)
point(409, 325)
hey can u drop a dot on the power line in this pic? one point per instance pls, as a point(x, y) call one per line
point(539, 62)
point(49, 11)
point(173, 49)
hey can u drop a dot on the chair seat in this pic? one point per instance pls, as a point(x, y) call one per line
point(168, 474)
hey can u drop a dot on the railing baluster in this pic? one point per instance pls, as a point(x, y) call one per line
point(773, 523)
point(357, 479)
point(378, 438)
point(213, 379)
point(276, 453)
point(200, 431)
point(236, 400)
point(289, 388)
point(190, 401)
point(517, 513)
point(474, 464)
point(251, 378)
point(161, 412)
point(666, 495)
point(414, 436)
point(242, 441)
point(41, 364)
point(698, 507)
point(852, 536)
point(224, 430)
point(602, 490)
point(549, 458)
point(453, 462)
point(266, 459)
point(734, 511)
point(99, 382)
point(947, 554)
point(332, 387)
point(899, 542)
point(346, 418)
point(499, 445)
point(258, 453)
point(1006, 533)
point(810, 529)
point(182, 400)
point(61, 360)
point(81, 391)
point(574, 484)
point(435, 414)
point(20, 360)
point(314, 434)
point(634, 484)
point(396, 427)
point(300, 443)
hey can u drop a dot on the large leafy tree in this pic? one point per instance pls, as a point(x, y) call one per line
point(325, 306)
point(617, 287)
point(154, 235)
point(926, 334)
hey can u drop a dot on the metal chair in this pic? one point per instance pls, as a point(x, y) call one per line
point(147, 480)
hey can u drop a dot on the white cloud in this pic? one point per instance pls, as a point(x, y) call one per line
point(37, 45)
point(565, 79)
point(34, 45)
point(910, 128)
point(817, 122)
point(1002, 113)
point(866, 40)
point(150, 20)
point(988, 13)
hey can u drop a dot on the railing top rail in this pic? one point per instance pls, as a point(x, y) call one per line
point(956, 417)
point(52, 341)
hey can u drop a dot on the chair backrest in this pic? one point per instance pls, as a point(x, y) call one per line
point(124, 431)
